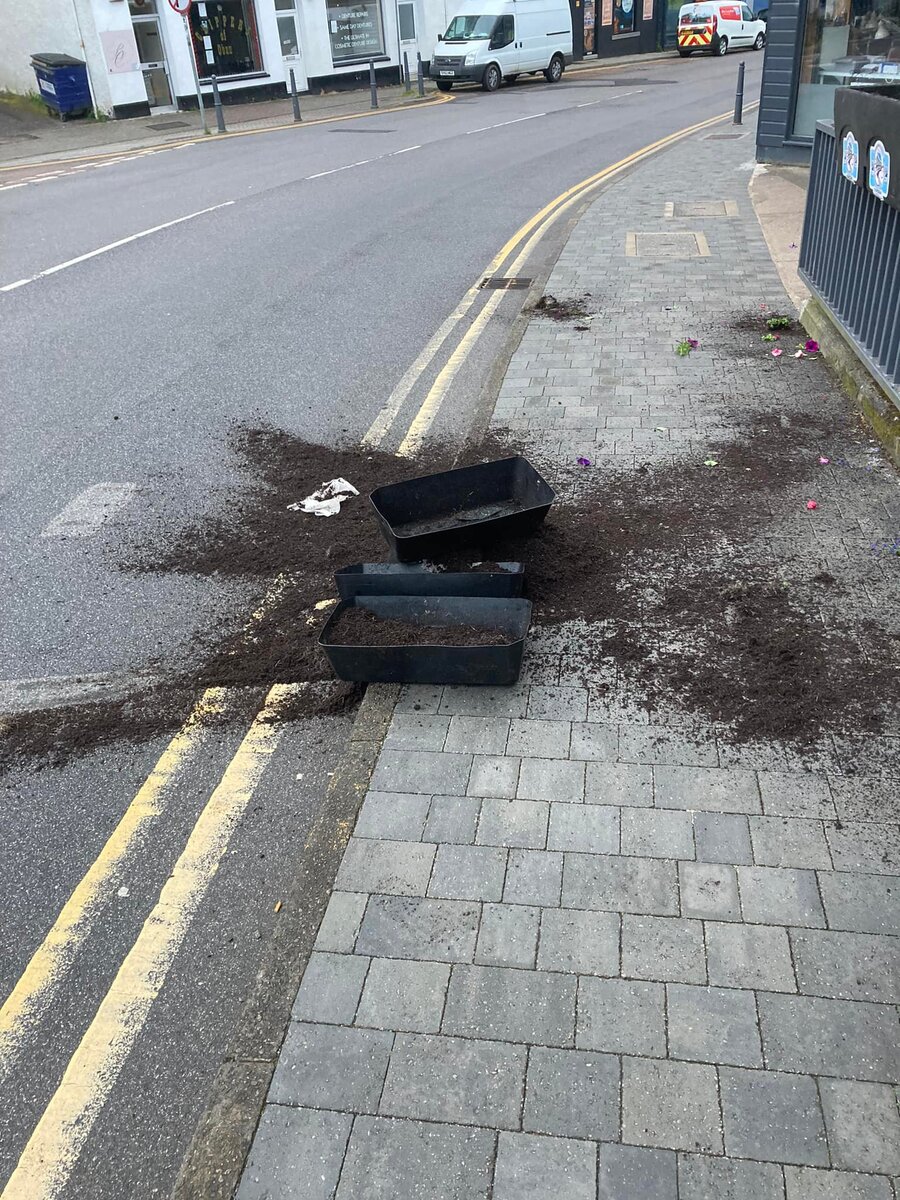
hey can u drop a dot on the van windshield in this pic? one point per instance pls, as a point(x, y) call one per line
point(469, 29)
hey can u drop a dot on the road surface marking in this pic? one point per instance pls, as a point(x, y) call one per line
point(90, 509)
point(406, 150)
point(501, 124)
point(31, 997)
point(428, 410)
point(334, 170)
point(134, 237)
point(56, 1143)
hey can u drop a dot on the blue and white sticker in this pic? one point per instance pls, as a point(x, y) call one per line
point(879, 170)
point(850, 157)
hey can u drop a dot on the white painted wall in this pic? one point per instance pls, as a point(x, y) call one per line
point(42, 26)
point(100, 16)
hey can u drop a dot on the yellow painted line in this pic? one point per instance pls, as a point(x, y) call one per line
point(53, 1148)
point(48, 966)
point(548, 215)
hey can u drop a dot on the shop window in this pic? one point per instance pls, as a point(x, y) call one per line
point(846, 43)
point(623, 17)
point(407, 17)
point(225, 38)
point(355, 31)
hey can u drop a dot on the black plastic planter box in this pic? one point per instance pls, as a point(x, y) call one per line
point(424, 518)
point(413, 579)
point(472, 665)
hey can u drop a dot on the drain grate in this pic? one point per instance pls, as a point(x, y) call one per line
point(171, 125)
point(506, 283)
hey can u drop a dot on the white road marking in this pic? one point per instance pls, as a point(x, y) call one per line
point(9, 287)
point(335, 170)
point(501, 124)
point(620, 96)
point(90, 509)
point(394, 153)
point(8, 187)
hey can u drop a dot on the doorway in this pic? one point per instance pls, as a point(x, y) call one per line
point(152, 56)
point(288, 19)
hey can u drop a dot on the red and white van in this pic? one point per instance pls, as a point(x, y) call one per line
point(717, 27)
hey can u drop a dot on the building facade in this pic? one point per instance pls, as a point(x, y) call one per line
point(814, 47)
point(608, 28)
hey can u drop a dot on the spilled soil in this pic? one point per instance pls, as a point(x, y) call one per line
point(360, 627)
point(563, 310)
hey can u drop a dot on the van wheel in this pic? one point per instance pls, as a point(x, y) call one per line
point(491, 79)
point(444, 85)
point(760, 41)
point(721, 47)
point(554, 72)
point(685, 53)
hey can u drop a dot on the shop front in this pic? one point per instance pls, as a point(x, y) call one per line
point(608, 28)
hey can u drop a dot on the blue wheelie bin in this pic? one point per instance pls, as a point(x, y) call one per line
point(63, 84)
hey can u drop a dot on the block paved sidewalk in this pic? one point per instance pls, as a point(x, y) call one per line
point(583, 949)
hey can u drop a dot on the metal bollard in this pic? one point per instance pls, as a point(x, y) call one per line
point(739, 97)
point(419, 77)
point(217, 101)
point(406, 71)
point(373, 86)
point(295, 99)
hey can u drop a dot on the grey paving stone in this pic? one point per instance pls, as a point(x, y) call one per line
point(865, 846)
point(779, 896)
point(389, 1158)
point(862, 1124)
point(807, 1184)
point(772, 1117)
point(865, 797)
point(330, 989)
point(493, 775)
point(789, 842)
point(796, 794)
point(722, 838)
point(511, 1005)
point(847, 966)
point(551, 779)
point(619, 783)
point(392, 815)
point(508, 935)
point(710, 1024)
point(709, 890)
point(706, 789)
point(530, 1167)
point(635, 885)
point(416, 731)
point(635, 1173)
point(391, 868)
point(585, 828)
point(656, 833)
point(427, 772)
point(572, 1093)
point(468, 873)
point(395, 927)
point(830, 1037)
point(664, 948)
point(341, 922)
point(539, 739)
point(521, 823)
point(594, 742)
point(702, 1178)
point(533, 877)
point(419, 697)
point(400, 994)
point(433, 1078)
point(485, 701)
point(558, 703)
point(861, 903)
point(749, 956)
point(579, 941)
point(296, 1154)
point(452, 819)
point(621, 1016)
point(477, 735)
point(671, 1105)
point(331, 1066)
point(660, 744)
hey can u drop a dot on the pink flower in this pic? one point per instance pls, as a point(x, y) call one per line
point(692, 342)
point(776, 353)
point(811, 346)
point(583, 462)
point(823, 461)
point(811, 504)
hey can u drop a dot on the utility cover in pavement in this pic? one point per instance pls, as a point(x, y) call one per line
point(505, 283)
point(666, 245)
point(701, 208)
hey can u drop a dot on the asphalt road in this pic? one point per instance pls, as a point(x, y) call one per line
point(328, 259)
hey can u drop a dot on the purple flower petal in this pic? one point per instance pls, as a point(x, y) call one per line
point(811, 346)
point(583, 462)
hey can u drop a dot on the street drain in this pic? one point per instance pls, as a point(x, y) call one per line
point(506, 283)
point(171, 125)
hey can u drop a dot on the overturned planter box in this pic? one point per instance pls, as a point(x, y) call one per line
point(415, 579)
point(494, 664)
point(425, 518)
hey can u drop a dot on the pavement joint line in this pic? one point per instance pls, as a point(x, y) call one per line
point(55, 1144)
point(33, 993)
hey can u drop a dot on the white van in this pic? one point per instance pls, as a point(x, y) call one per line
point(718, 27)
point(489, 41)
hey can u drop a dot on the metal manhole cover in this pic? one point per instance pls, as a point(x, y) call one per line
point(723, 137)
point(701, 208)
point(171, 125)
point(506, 283)
point(666, 245)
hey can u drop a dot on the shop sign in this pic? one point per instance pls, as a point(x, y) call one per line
point(850, 157)
point(879, 170)
point(648, 10)
point(606, 12)
point(355, 30)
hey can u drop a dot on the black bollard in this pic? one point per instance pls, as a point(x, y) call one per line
point(419, 77)
point(406, 79)
point(217, 101)
point(373, 86)
point(739, 97)
point(295, 99)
